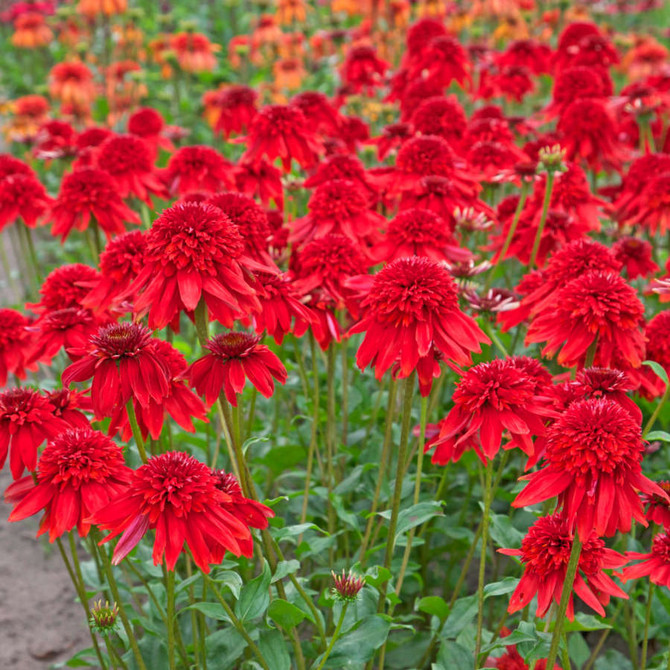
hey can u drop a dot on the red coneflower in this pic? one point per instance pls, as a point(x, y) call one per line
point(635, 255)
point(87, 194)
point(657, 508)
point(26, 420)
point(72, 84)
point(528, 53)
point(489, 159)
point(260, 179)
point(393, 136)
point(442, 61)
point(198, 168)
point(194, 51)
point(251, 512)
point(9, 165)
point(642, 171)
point(194, 251)
point(87, 146)
point(593, 464)
point(230, 110)
point(419, 36)
point(234, 358)
point(612, 384)
point(22, 195)
point(574, 38)
point(79, 472)
point(128, 160)
point(655, 564)
point(491, 398)
point(177, 496)
point(120, 263)
point(575, 83)
point(282, 131)
point(420, 232)
point(69, 406)
point(342, 166)
point(596, 307)
point(55, 139)
point(441, 116)
point(123, 364)
point(545, 552)
point(647, 208)
point(411, 310)
point(657, 336)
point(64, 287)
point(149, 125)
point(320, 112)
point(15, 342)
point(414, 94)
point(362, 69)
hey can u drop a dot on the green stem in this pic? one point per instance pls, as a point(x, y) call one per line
point(494, 338)
point(137, 433)
point(549, 186)
point(345, 391)
point(202, 322)
point(657, 411)
point(33, 255)
point(603, 637)
point(336, 635)
point(8, 270)
point(647, 619)
point(330, 442)
point(570, 574)
point(170, 618)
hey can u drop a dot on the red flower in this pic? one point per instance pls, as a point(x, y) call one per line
point(527, 53)
point(411, 309)
point(657, 508)
point(575, 38)
point(342, 166)
point(419, 36)
point(260, 179)
point(177, 496)
point(236, 106)
point(444, 60)
point(85, 194)
point(443, 117)
point(22, 195)
point(198, 168)
point(26, 420)
point(128, 160)
point(9, 165)
point(655, 564)
point(79, 472)
point(281, 131)
point(612, 384)
point(251, 512)
point(393, 136)
point(657, 334)
point(87, 146)
point(489, 159)
point(234, 358)
point(545, 551)
point(635, 255)
point(15, 341)
point(362, 69)
point(647, 208)
point(65, 287)
point(593, 457)
point(120, 263)
point(323, 116)
point(489, 399)
point(575, 83)
point(414, 94)
point(595, 307)
point(68, 405)
point(123, 364)
point(420, 232)
point(148, 124)
point(194, 251)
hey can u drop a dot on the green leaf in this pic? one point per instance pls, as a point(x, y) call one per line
point(224, 647)
point(658, 369)
point(503, 533)
point(659, 435)
point(231, 580)
point(462, 613)
point(285, 568)
point(285, 614)
point(382, 575)
point(356, 646)
point(255, 596)
point(211, 610)
point(526, 632)
point(505, 585)
point(416, 515)
point(453, 655)
point(434, 605)
point(584, 622)
point(273, 648)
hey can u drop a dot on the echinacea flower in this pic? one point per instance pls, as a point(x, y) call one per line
point(178, 496)
point(70, 406)
point(442, 61)
point(635, 254)
point(604, 383)
point(347, 586)
point(10, 165)
point(319, 110)
point(193, 252)
point(362, 69)
point(72, 84)
point(26, 420)
point(64, 287)
point(260, 179)
point(251, 512)
point(198, 168)
point(411, 309)
point(442, 116)
point(657, 335)
point(23, 196)
point(194, 51)
point(79, 472)
point(148, 124)
point(657, 508)
point(15, 342)
point(655, 564)
point(90, 195)
point(545, 552)
point(593, 464)
point(231, 109)
point(122, 363)
point(235, 357)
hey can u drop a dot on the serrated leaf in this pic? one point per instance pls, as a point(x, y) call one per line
point(285, 614)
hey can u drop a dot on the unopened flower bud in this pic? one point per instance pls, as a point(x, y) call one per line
point(346, 586)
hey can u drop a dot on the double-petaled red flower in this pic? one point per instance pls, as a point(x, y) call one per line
point(195, 252)
point(9, 165)
point(442, 116)
point(179, 497)
point(123, 364)
point(657, 508)
point(490, 399)
point(234, 358)
point(149, 125)
point(320, 112)
point(593, 464)
point(362, 69)
point(282, 131)
point(575, 83)
point(64, 287)
point(15, 342)
point(26, 420)
point(198, 168)
point(410, 312)
point(22, 195)
point(655, 564)
point(545, 552)
point(392, 138)
point(79, 472)
point(442, 61)
point(604, 383)
point(342, 166)
point(635, 254)
point(70, 406)
point(90, 194)
point(657, 335)
point(260, 179)
point(234, 108)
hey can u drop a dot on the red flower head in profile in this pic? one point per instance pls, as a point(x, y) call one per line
point(414, 94)
point(338, 206)
point(635, 254)
point(320, 112)
point(411, 312)
point(70, 406)
point(489, 399)
point(280, 307)
point(198, 168)
point(55, 139)
point(441, 116)
point(177, 496)
point(64, 287)
point(589, 135)
point(420, 232)
point(419, 36)
point(79, 472)
point(251, 512)
point(194, 251)
point(15, 342)
point(655, 564)
point(490, 159)
point(72, 84)
point(9, 165)
point(362, 69)
point(545, 552)
point(604, 383)
point(233, 108)
point(596, 309)
point(593, 464)
point(657, 508)
point(87, 194)
point(194, 51)
point(234, 358)
point(262, 180)
point(581, 43)
point(128, 160)
point(149, 125)
point(282, 131)
point(251, 221)
point(22, 195)
point(120, 263)
point(657, 335)
point(444, 60)
point(26, 420)
point(392, 138)
point(87, 146)
point(123, 364)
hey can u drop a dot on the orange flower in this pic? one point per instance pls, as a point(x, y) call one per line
point(30, 112)
point(267, 31)
point(645, 59)
point(92, 8)
point(289, 73)
point(349, 7)
point(123, 91)
point(31, 31)
point(291, 11)
point(72, 84)
point(159, 49)
point(194, 51)
point(70, 31)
